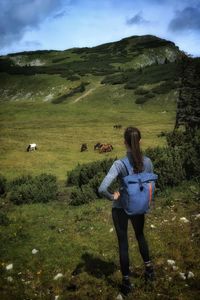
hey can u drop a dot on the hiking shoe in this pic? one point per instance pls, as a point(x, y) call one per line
point(149, 274)
point(126, 286)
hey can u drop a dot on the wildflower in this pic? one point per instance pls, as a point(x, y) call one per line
point(9, 279)
point(9, 267)
point(119, 297)
point(184, 220)
point(171, 262)
point(182, 275)
point(190, 275)
point(34, 251)
point(59, 275)
point(197, 216)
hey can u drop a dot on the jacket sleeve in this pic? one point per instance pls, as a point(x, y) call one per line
point(148, 166)
point(109, 178)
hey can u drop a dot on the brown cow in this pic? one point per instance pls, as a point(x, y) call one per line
point(84, 147)
point(106, 148)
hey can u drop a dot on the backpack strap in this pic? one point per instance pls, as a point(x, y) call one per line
point(127, 165)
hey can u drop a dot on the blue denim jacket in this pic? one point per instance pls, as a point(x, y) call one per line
point(118, 170)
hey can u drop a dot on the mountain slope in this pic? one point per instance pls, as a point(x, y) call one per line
point(47, 75)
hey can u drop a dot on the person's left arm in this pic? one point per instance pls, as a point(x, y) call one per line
point(107, 181)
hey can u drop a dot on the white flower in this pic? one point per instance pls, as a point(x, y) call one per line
point(9, 267)
point(153, 226)
point(59, 275)
point(174, 218)
point(34, 251)
point(56, 297)
point(175, 268)
point(184, 220)
point(197, 216)
point(9, 279)
point(190, 275)
point(111, 229)
point(171, 262)
point(182, 275)
point(119, 297)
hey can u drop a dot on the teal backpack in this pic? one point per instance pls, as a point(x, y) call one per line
point(137, 190)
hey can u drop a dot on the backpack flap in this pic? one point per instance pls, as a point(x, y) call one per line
point(137, 191)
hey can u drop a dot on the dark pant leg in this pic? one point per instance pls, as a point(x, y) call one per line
point(120, 220)
point(138, 225)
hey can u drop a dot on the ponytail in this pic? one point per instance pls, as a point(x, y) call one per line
point(132, 137)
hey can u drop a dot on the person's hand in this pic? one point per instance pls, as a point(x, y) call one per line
point(116, 195)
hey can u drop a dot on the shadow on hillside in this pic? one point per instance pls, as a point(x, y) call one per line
point(95, 266)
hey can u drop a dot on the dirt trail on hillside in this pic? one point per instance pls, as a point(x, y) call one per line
point(85, 95)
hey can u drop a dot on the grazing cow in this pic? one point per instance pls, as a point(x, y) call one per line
point(118, 126)
point(105, 148)
point(84, 147)
point(97, 146)
point(31, 147)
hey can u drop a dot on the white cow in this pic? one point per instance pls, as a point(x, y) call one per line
point(31, 147)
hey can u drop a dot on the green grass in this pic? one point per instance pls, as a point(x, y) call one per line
point(60, 129)
point(77, 242)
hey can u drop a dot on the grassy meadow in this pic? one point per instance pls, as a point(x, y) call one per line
point(80, 244)
point(60, 129)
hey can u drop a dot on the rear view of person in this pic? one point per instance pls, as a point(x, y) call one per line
point(138, 163)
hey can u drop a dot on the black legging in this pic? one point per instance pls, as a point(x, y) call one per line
point(120, 219)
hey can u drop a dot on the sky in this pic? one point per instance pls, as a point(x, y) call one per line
point(27, 25)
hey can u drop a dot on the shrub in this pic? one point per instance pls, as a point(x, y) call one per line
point(82, 174)
point(141, 91)
point(86, 180)
point(114, 79)
point(168, 164)
point(82, 195)
point(141, 100)
point(3, 183)
point(165, 87)
point(26, 189)
point(4, 220)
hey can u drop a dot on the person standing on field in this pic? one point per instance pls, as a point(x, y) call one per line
point(138, 164)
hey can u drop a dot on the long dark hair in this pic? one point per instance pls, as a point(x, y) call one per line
point(132, 137)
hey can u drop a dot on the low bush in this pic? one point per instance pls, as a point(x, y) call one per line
point(165, 87)
point(28, 189)
point(82, 195)
point(86, 180)
point(168, 164)
point(82, 174)
point(3, 183)
point(114, 79)
point(4, 220)
point(141, 100)
point(141, 91)
point(78, 89)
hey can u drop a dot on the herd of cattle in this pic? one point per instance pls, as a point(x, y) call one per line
point(100, 147)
